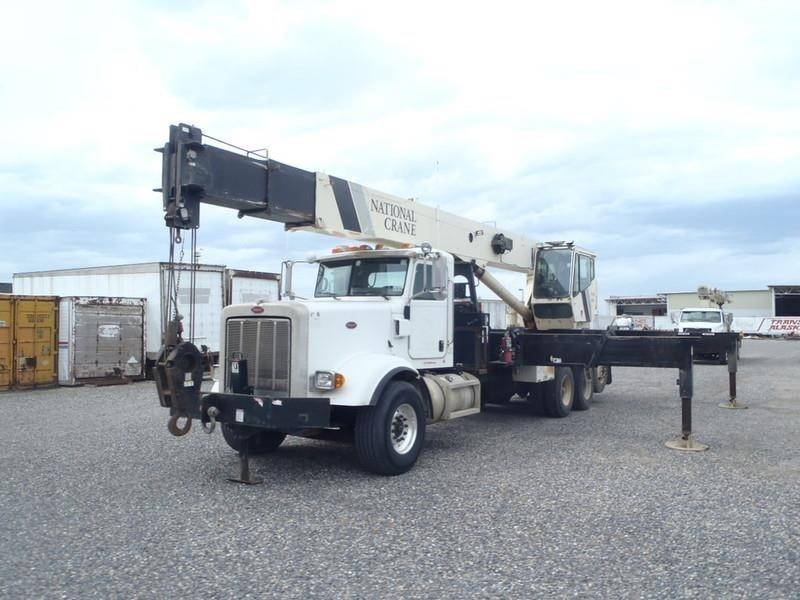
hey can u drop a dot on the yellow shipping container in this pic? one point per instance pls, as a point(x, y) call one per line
point(6, 341)
point(28, 341)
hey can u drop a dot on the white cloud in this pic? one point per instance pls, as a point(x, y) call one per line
point(592, 121)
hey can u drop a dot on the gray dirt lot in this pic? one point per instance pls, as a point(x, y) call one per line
point(97, 499)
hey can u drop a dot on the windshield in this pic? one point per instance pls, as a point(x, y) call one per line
point(361, 277)
point(696, 316)
point(553, 273)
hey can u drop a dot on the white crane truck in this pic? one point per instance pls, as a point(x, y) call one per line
point(393, 338)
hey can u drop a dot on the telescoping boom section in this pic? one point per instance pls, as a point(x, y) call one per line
point(256, 186)
point(561, 289)
point(394, 336)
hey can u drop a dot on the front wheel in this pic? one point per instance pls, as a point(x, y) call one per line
point(261, 442)
point(389, 436)
point(560, 393)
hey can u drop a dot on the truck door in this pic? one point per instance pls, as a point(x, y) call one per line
point(428, 310)
point(582, 290)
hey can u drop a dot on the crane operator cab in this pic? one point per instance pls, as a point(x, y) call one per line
point(563, 287)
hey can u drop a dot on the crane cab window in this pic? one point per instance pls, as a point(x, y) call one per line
point(585, 274)
point(553, 273)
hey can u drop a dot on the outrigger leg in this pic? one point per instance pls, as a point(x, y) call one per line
point(733, 362)
point(244, 466)
point(686, 442)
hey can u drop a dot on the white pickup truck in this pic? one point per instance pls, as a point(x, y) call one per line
point(703, 320)
point(706, 320)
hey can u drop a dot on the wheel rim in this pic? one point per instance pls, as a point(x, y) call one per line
point(566, 392)
point(404, 428)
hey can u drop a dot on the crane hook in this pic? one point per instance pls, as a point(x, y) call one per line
point(172, 425)
point(213, 413)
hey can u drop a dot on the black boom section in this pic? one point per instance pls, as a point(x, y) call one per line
point(194, 172)
point(630, 348)
point(590, 349)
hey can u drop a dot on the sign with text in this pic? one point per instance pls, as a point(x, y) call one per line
point(780, 326)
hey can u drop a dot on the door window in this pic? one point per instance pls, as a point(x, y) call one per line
point(430, 281)
point(585, 272)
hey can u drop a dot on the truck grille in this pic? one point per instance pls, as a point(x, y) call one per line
point(265, 344)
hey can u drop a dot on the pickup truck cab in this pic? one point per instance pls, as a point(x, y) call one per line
point(703, 320)
point(706, 320)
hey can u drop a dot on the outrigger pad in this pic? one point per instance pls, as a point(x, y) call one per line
point(686, 444)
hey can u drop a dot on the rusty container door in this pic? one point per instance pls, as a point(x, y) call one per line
point(6, 342)
point(35, 351)
point(109, 337)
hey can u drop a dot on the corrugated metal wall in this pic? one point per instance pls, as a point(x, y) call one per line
point(6, 342)
point(101, 338)
point(28, 346)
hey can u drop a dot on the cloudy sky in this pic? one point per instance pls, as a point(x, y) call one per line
point(664, 136)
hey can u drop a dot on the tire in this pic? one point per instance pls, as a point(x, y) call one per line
point(389, 436)
point(600, 378)
point(261, 442)
point(584, 388)
point(559, 394)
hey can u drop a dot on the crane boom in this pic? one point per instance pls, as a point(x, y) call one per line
point(257, 186)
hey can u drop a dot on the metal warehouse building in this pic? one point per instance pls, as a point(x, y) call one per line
point(772, 311)
point(651, 306)
point(774, 301)
point(785, 300)
point(744, 303)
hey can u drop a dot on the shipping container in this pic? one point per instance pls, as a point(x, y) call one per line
point(6, 342)
point(251, 286)
point(101, 338)
point(28, 347)
point(144, 280)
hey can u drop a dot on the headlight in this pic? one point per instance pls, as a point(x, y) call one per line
point(328, 380)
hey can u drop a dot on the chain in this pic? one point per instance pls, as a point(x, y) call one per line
point(178, 278)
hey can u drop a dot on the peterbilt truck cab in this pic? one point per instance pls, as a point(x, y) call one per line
point(370, 354)
point(373, 312)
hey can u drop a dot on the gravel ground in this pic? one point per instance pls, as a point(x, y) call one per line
point(98, 500)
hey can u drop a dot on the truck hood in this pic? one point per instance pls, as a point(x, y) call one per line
point(349, 326)
point(713, 326)
point(328, 333)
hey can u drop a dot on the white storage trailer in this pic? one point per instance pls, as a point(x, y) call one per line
point(245, 287)
point(216, 286)
point(101, 338)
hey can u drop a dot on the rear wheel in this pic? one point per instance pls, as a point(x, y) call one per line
point(600, 378)
point(584, 388)
point(261, 442)
point(389, 436)
point(560, 393)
